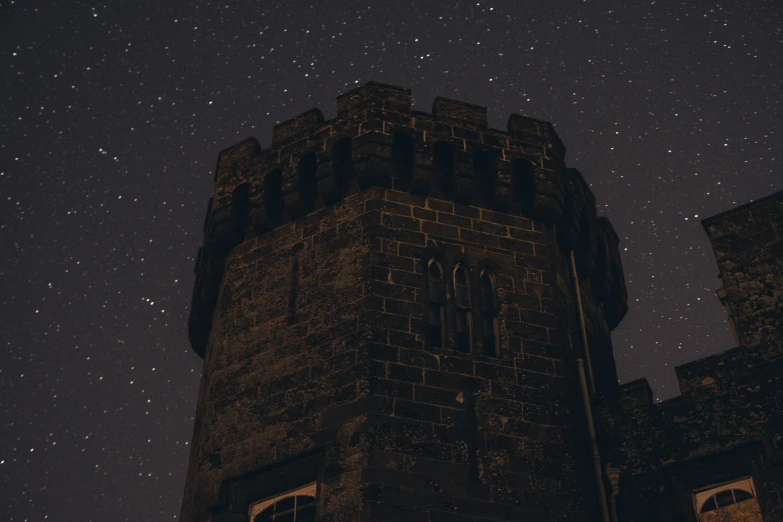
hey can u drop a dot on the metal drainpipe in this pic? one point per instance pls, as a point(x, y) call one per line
point(578, 293)
point(599, 476)
point(613, 474)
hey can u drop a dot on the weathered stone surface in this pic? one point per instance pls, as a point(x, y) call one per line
point(728, 422)
point(313, 311)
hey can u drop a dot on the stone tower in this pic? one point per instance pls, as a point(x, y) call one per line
point(386, 307)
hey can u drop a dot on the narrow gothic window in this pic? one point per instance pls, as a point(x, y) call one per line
point(462, 317)
point(435, 305)
point(489, 315)
point(294, 506)
point(342, 163)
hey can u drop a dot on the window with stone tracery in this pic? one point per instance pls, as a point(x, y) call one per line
point(463, 324)
point(489, 313)
point(435, 306)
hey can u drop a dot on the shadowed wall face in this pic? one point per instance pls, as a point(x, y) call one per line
point(385, 305)
point(321, 340)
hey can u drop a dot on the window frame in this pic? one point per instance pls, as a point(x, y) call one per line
point(490, 315)
point(436, 303)
point(256, 508)
point(702, 495)
point(466, 309)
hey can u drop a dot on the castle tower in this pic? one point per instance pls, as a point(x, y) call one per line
point(386, 310)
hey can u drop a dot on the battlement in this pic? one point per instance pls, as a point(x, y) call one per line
point(377, 140)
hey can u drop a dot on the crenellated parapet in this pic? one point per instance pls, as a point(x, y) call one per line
point(378, 140)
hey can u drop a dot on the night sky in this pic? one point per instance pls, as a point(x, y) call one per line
point(112, 117)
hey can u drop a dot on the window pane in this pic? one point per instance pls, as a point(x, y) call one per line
point(287, 517)
point(709, 505)
point(306, 514)
point(741, 494)
point(488, 326)
point(436, 291)
point(460, 278)
point(304, 500)
point(435, 315)
point(724, 498)
point(487, 301)
point(462, 321)
point(461, 296)
point(285, 504)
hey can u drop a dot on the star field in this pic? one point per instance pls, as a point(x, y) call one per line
point(112, 116)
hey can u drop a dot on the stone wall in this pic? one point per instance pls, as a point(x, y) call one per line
point(309, 308)
point(728, 422)
point(748, 245)
point(287, 354)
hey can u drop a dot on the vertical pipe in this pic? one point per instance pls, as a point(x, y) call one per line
point(593, 444)
point(578, 293)
point(613, 474)
point(599, 477)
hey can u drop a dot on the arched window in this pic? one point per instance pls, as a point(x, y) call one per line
point(725, 498)
point(523, 185)
point(273, 196)
point(462, 317)
point(295, 506)
point(486, 173)
point(308, 185)
point(435, 304)
point(489, 314)
point(240, 210)
point(403, 156)
point(342, 164)
point(443, 166)
point(721, 499)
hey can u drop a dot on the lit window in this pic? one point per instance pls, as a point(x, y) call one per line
point(729, 502)
point(294, 506)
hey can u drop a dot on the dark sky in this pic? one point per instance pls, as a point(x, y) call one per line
point(112, 117)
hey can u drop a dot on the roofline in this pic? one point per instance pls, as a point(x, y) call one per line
point(706, 222)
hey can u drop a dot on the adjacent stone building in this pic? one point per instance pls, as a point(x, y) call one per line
point(407, 316)
point(693, 457)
